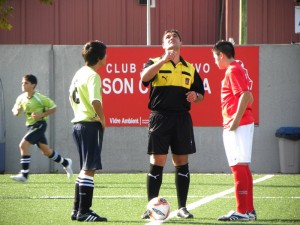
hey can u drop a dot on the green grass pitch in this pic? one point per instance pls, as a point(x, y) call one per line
point(48, 199)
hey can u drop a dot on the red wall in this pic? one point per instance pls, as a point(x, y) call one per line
point(123, 22)
point(269, 21)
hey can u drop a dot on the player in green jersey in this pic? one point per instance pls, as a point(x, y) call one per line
point(88, 128)
point(36, 108)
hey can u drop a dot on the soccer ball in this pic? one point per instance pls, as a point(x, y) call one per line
point(159, 208)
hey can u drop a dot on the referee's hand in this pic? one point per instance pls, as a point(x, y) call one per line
point(191, 96)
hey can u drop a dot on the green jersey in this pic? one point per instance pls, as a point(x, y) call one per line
point(85, 88)
point(38, 103)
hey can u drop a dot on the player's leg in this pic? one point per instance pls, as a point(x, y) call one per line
point(24, 161)
point(238, 147)
point(182, 178)
point(158, 145)
point(88, 138)
point(245, 137)
point(241, 187)
point(56, 157)
point(30, 138)
point(155, 175)
point(182, 144)
point(247, 142)
point(79, 144)
point(86, 184)
point(241, 192)
point(182, 182)
point(154, 178)
point(250, 204)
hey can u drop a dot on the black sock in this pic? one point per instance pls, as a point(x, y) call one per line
point(154, 180)
point(86, 189)
point(182, 181)
point(25, 162)
point(58, 158)
point(76, 195)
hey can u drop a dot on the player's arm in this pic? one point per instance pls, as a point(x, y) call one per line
point(37, 116)
point(199, 98)
point(150, 71)
point(193, 96)
point(17, 109)
point(245, 98)
point(197, 93)
point(97, 105)
point(251, 99)
point(71, 100)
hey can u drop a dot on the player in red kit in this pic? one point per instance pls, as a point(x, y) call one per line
point(238, 123)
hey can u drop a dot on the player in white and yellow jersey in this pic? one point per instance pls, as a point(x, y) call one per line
point(88, 128)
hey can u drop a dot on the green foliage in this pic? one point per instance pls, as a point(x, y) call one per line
point(7, 10)
point(48, 199)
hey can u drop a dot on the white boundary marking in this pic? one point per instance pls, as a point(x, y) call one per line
point(131, 197)
point(207, 199)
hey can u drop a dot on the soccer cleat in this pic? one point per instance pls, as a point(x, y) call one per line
point(252, 215)
point(74, 215)
point(234, 216)
point(90, 216)
point(146, 215)
point(68, 168)
point(19, 177)
point(184, 213)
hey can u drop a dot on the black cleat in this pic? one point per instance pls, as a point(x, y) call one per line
point(74, 215)
point(184, 213)
point(252, 215)
point(146, 215)
point(90, 216)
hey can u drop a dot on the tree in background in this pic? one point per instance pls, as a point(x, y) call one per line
point(6, 10)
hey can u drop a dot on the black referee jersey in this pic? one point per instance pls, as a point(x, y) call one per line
point(168, 88)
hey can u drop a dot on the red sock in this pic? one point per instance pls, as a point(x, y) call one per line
point(241, 187)
point(250, 205)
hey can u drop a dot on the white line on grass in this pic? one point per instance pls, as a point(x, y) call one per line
point(207, 199)
point(130, 197)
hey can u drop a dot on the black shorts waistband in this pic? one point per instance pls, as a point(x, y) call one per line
point(167, 113)
point(85, 122)
point(37, 123)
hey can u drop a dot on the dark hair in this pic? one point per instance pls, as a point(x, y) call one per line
point(93, 51)
point(31, 78)
point(171, 31)
point(225, 47)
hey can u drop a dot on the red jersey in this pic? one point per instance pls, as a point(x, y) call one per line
point(235, 82)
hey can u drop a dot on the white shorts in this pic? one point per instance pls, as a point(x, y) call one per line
point(238, 144)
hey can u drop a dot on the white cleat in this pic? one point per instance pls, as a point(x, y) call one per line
point(234, 216)
point(19, 177)
point(68, 168)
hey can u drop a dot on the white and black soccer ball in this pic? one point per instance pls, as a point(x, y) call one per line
point(159, 208)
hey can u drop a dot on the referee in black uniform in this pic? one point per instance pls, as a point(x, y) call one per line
point(174, 84)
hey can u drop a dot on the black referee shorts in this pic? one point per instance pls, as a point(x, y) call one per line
point(88, 137)
point(171, 130)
